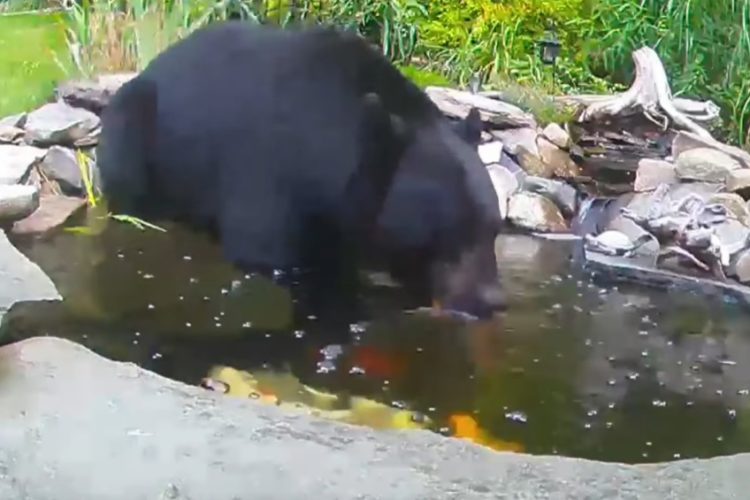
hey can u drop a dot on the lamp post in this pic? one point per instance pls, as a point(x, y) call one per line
point(549, 49)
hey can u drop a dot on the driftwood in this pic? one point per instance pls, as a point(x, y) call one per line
point(457, 103)
point(650, 95)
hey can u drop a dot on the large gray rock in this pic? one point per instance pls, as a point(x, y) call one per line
point(564, 195)
point(60, 164)
point(559, 160)
point(738, 180)
point(17, 201)
point(92, 94)
point(516, 138)
point(20, 279)
point(557, 135)
point(536, 213)
point(532, 164)
point(16, 161)
point(61, 124)
point(651, 173)
point(142, 436)
point(685, 141)
point(705, 165)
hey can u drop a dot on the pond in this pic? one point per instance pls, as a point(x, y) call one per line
point(575, 367)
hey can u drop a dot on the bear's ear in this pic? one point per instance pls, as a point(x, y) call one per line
point(470, 128)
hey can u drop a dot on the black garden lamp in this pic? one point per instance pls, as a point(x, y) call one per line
point(549, 49)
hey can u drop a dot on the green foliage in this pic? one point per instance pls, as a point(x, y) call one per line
point(500, 39)
point(118, 35)
point(424, 78)
point(704, 44)
point(28, 46)
point(537, 102)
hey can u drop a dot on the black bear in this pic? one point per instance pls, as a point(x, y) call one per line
point(306, 148)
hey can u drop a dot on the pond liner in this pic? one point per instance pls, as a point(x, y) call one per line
point(621, 269)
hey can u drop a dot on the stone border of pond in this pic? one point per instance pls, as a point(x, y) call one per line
point(77, 426)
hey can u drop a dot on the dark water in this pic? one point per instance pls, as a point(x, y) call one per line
point(575, 367)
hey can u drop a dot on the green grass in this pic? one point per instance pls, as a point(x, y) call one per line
point(29, 70)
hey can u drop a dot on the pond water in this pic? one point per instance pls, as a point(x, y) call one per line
point(575, 367)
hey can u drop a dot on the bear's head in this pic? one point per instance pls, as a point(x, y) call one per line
point(440, 217)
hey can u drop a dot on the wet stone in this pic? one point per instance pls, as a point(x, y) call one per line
point(53, 211)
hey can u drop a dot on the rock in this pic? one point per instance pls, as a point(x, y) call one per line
point(60, 164)
point(16, 161)
point(60, 124)
point(705, 165)
point(171, 437)
point(17, 201)
point(92, 95)
point(557, 135)
point(564, 195)
point(53, 211)
point(505, 184)
point(14, 121)
point(532, 164)
point(511, 164)
point(625, 269)
point(740, 267)
point(557, 159)
point(514, 138)
point(647, 252)
point(490, 152)
point(739, 180)
point(20, 280)
point(535, 212)
point(734, 204)
point(733, 238)
point(457, 103)
point(609, 242)
point(652, 172)
point(11, 135)
point(685, 141)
